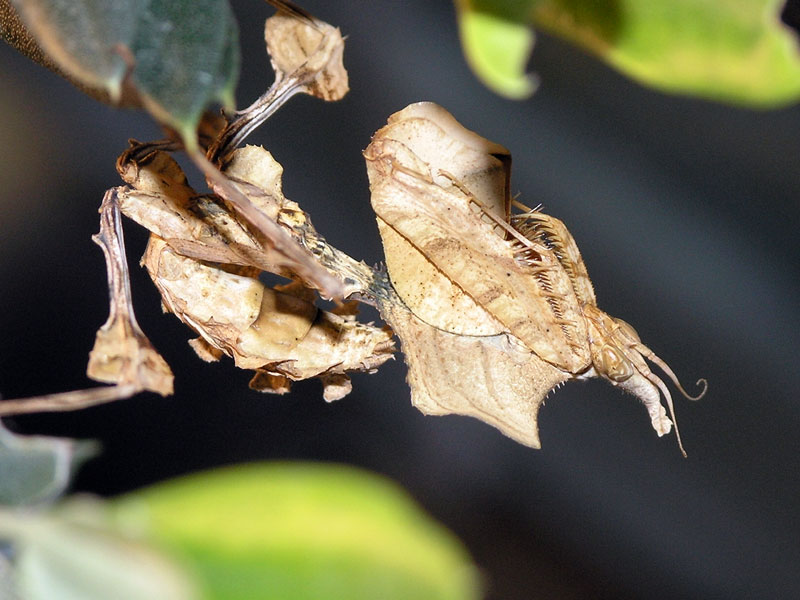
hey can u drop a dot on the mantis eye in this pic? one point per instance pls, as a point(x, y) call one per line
point(627, 329)
point(613, 364)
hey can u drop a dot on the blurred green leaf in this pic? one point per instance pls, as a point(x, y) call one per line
point(7, 584)
point(173, 56)
point(187, 55)
point(301, 531)
point(736, 51)
point(497, 48)
point(36, 469)
point(73, 554)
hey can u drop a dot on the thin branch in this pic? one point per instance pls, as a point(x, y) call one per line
point(65, 401)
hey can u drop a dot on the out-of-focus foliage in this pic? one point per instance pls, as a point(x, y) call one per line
point(36, 469)
point(736, 51)
point(287, 531)
point(174, 57)
point(73, 553)
point(295, 531)
point(497, 45)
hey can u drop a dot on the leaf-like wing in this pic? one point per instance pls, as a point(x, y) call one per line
point(492, 378)
point(447, 225)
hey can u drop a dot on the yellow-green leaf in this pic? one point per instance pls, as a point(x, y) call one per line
point(737, 51)
point(497, 49)
point(301, 531)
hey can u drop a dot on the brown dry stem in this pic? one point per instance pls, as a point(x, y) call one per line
point(64, 401)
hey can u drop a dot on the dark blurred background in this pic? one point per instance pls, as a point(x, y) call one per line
point(686, 213)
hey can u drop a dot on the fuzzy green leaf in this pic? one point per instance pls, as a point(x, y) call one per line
point(73, 553)
point(175, 57)
point(736, 51)
point(301, 531)
point(36, 469)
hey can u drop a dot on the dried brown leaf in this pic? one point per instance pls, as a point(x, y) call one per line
point(200, 226)
point(493, 309)
point(449, 227)
point(205, 351)
point(306, 54)
point(493, 378)
point(266, 382)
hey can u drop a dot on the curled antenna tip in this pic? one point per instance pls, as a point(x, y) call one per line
point(700, 382)
point(664, 367)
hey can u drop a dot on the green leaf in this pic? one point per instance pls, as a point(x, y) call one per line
point(80, 37)
point(736, 51)
point(302, 531)
point(497, 49)
point(186, 54)
point(74, 554)
point(173, 56)
point(36, 469)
